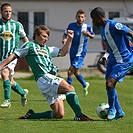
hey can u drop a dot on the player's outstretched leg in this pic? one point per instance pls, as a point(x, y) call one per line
point(73, 101)
point(32, 115)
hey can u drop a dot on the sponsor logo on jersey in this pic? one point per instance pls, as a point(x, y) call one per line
point(6, 35)
point(42, 52)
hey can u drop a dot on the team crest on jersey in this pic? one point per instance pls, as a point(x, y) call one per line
point(118, 26)
point(6, 35)
point(42, 52)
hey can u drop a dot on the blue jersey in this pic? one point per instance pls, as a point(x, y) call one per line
point(115, 36)
point(79, 43)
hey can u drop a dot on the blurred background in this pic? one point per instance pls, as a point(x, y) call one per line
point(57, 14)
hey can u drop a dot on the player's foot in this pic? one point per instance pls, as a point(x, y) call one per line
point(111, 114)
point(120, 115)
point(86, 89)
point(6, 104)
point(27, 115)
point(23, 98)
point(82, 118)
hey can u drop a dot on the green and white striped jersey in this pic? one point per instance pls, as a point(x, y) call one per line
point(39, 58)
point(10, 35)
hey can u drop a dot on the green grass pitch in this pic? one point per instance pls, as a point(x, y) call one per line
point(97, 95)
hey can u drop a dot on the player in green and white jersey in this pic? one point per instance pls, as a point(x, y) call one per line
point(38, 56)
point(11, 32)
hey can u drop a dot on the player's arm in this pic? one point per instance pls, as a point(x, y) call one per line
point(22, 33)
point(64, 50)
point(64, 37)
point(25, 39)
point(8, 60)
point(87, 33)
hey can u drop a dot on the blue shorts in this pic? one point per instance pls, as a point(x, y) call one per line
point(77, 61)
point(117, 71)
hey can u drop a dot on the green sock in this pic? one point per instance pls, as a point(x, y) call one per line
point(47, 115)
point(18, 89)
point(7, 89)
point(73, 101)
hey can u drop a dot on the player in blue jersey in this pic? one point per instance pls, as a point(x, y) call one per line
point(38, 56)
point(82, 32)
point(11, 32)
point(115, 35)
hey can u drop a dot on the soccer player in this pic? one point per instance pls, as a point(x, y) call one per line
point(10, 34)
point(115, 35)
point(38, 56)
point(82, 32)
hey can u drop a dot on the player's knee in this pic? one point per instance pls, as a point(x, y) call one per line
point(5, 74)
point(109, 84)
point(58, 115)
point(12, 83)
point(69, 73)
point(71, 88)
point(76, 74)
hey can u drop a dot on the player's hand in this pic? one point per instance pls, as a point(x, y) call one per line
point(86, 33)
point(102, 61)
point(64, 41)
point(70, 33)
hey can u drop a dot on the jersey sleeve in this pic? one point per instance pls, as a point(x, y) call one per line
point(22, 51)
point(121, 28)
point(54, 51)
point(21, 31)
point(89, 28)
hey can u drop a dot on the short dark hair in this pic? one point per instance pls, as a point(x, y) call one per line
point(5, 4)
point(38, 30)
point(98, 11)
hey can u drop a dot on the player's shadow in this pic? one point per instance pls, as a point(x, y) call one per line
point(61, 120)
point(30, 100)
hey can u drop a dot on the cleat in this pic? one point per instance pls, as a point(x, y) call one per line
point(111, 114)
point(6, 104)
point(23, 98)
point(27, 115)
point(82, 118)
point(86, 89)
point(119, 115)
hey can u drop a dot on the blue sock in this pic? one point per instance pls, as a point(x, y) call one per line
point(81, 80)
point(69, 80)
point(117, 103)
point(111, 97)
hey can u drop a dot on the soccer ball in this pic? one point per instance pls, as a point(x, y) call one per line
point(102, 110)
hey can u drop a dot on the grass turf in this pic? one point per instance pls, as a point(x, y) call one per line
point(97, 95)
